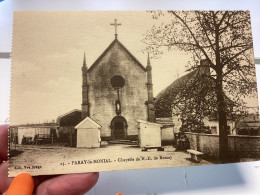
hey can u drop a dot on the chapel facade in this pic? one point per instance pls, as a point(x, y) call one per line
point(117, 90)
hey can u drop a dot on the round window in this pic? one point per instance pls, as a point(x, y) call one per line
point(117, 81)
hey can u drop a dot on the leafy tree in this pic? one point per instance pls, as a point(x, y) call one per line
point(224, 39)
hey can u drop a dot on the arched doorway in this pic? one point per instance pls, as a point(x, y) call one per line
point(118, 127)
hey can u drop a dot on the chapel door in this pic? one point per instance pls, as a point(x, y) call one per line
point(118, 127)
point(119, 130)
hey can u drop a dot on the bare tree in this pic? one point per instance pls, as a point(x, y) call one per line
point(224, 39)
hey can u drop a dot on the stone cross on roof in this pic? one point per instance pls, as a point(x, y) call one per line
point(115, 24)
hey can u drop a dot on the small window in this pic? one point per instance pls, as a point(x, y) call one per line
point(213, 130)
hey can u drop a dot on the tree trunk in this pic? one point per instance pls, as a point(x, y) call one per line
point(222, 116)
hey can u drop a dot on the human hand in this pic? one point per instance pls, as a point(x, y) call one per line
point(73, 184)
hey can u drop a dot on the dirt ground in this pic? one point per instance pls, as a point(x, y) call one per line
point(48, 159)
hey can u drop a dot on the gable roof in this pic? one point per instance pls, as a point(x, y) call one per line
point(88, 123)
point(108, 48)
point(70, 118)
point(175, 84)
point(67, 113)
point(164, 100)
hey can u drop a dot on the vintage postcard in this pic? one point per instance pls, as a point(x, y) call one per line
point(114, 90)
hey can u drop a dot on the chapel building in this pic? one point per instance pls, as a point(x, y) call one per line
point(117, 90)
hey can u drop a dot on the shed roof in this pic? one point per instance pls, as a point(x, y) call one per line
point(149, 123)
point(88, 123)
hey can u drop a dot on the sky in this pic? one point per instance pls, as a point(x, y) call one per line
point(47, 57)
point(58, 55)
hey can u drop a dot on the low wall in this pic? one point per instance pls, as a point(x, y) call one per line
point(244, 146)
point(240, 146)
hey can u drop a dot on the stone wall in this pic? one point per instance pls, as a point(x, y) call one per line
point(240, 146)
point(245, 146)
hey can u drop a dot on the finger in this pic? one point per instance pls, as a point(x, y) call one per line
point(74, 184)
point(3, 142)
point(39, 179)
point(22, 184)
point(4, 180)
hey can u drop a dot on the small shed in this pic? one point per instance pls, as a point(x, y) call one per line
point(88, 134)
point(149, 134)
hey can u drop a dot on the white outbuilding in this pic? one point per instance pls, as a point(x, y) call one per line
point(88, 134)
point(149, 134)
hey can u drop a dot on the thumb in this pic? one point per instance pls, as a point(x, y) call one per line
point(22, 184)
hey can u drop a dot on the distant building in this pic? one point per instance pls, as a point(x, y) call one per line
point(213, 124)
point(34, 133)
point(165, 104)
point(249, 125)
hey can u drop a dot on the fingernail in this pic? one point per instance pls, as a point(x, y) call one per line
point(22, 185)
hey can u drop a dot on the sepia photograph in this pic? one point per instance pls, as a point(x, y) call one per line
point(117, 90)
